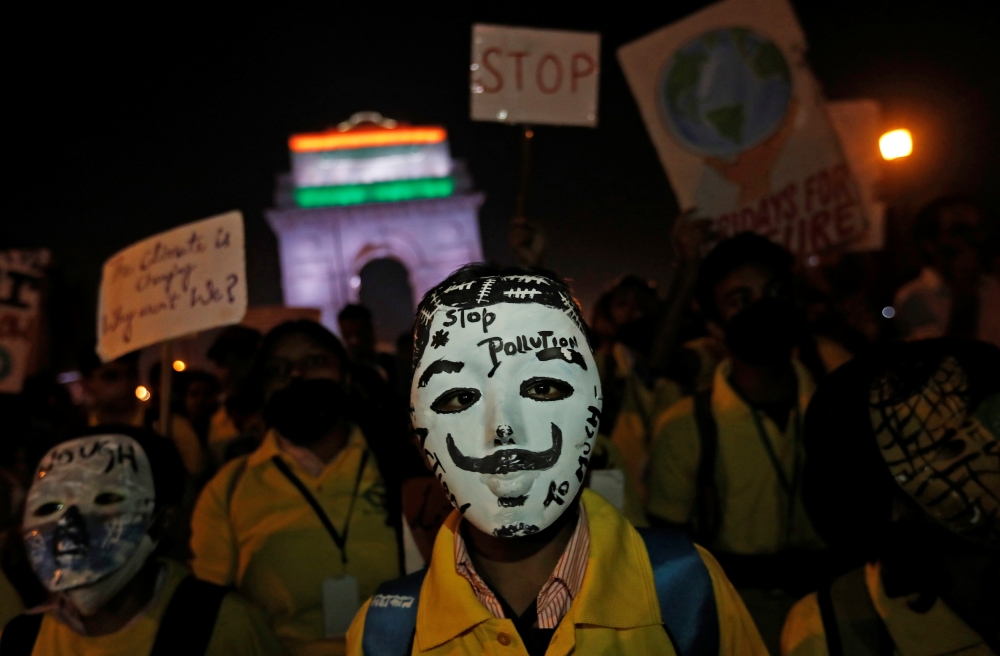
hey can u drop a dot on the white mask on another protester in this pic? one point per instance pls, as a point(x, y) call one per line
point(87, 514)
point(506, 399)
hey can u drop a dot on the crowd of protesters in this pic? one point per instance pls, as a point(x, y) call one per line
point(844, 479)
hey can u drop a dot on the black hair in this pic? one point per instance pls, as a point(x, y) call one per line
point(927, 223)
point(309, 329)
point(847, 487)
point(200, 376)
point(168, 470)
point(480, 284)
point(88, 362)
point(234, 340)
point(733, 253)
point(355, 312)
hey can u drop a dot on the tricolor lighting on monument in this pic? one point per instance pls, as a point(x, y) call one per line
point(372, 160)
point(371, 189)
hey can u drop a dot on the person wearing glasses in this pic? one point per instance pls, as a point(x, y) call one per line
point(308, 524)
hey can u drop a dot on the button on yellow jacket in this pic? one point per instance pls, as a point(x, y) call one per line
point(616, 612)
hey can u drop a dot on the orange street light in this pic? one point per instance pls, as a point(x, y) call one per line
point(895, 144)
point(179, 365)
point(142, 393)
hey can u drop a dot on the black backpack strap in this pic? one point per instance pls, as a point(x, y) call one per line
point(850, 621)
point(829, 616)
point(189, 621)
point(391, 620)
point(19, 635)
point(684, 589)
point(707, 511)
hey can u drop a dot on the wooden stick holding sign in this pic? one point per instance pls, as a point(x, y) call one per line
point(178, 282)
point(524, 76)
point(166, 385)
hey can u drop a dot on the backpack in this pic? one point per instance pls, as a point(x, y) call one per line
point(186, 627)
point(683, 587)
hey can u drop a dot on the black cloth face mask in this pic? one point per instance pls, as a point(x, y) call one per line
point(764, 333)
point(306, 410)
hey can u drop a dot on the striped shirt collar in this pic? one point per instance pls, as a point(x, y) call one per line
point(556, 595)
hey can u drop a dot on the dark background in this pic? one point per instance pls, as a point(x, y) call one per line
point(120, 125)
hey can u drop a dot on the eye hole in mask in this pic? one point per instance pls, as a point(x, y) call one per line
point(546, 389)
point(48, 508)
point(456, 400)
point(108, 498)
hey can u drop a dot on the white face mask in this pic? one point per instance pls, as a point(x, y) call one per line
point(88, 510)
point(506, 398)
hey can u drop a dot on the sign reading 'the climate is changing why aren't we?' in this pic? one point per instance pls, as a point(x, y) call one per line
point(178, 282)
point(523, 75)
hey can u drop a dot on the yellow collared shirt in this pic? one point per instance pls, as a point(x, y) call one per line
point(938, 632)
point(240, 629)
point(753, 504)
point(251, 528)
point(615, 612)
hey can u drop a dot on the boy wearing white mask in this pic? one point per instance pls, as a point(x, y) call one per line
point(506, 401)
point(93, 519)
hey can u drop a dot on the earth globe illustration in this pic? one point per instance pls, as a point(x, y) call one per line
point(725, 91)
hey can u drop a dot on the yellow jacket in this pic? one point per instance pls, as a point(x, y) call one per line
point(754, 507)
point(252, 529)
point(240, 629)
point(616, 612)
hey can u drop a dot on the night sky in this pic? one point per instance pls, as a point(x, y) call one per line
point(122, 125)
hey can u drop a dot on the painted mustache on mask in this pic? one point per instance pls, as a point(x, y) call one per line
point(509, 461)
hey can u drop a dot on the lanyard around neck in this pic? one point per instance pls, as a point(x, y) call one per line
point(340, 539)
point(787, 485)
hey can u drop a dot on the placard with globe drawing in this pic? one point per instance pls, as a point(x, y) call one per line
point(740, 126)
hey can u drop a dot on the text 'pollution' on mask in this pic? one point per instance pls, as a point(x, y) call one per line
point(506, 400)
point(88, 510)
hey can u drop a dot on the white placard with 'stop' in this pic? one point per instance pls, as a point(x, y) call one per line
point(528, 76)
point(178, 282)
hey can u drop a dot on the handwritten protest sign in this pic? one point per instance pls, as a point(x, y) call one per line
point(21, 276)
point(522, 75)
point(740, 126)
point(858, 124)
point(178, 282)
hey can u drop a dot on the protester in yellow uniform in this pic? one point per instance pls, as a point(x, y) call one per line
point(904, 475)
point(728, 461)
point(506, 401)
point(306, 525)
point(94, 517)
point(110, 390)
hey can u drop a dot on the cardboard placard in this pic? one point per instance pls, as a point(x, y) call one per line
point(181, 281)
point(524, 75)
point(21, 276)
point(858, 124)
point(740, 125)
